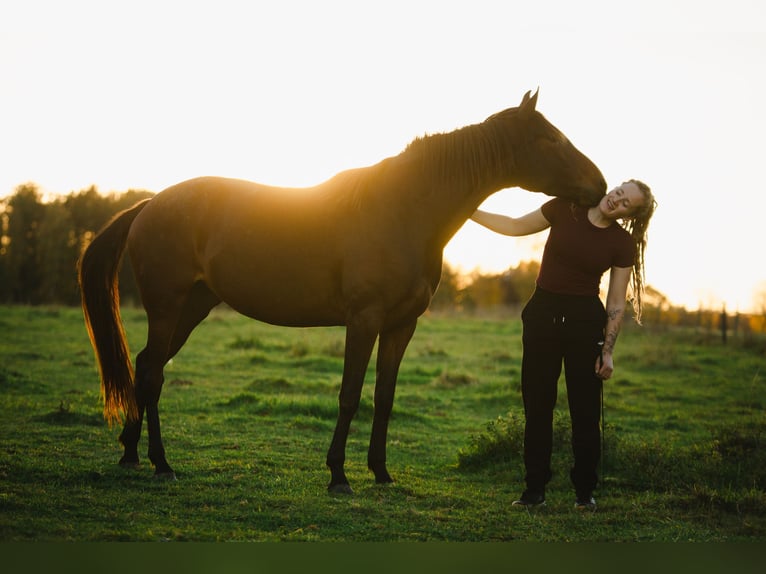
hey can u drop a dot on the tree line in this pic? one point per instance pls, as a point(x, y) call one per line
point(41, 241)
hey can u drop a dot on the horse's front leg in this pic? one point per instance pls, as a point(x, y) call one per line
point(360, 339)
point(391, 349)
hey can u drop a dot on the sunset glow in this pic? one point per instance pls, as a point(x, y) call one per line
point(146, 94)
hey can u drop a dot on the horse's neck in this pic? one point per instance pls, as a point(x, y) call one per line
point(455, 214)
point(459, 173)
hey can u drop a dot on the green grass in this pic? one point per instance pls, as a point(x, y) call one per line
point(248, 411)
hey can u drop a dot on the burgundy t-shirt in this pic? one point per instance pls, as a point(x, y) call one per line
point(577, 252)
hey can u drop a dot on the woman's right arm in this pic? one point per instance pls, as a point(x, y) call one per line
point(528, 224)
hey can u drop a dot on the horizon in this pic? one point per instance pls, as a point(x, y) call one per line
point(532, 247)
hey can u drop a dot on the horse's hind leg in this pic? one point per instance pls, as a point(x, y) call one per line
point(150, 363)
point(147, 386)
point(129, 437)
point(149, 372)
point(168, 331)
point(199, 303)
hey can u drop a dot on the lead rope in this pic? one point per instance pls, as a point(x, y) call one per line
point(603, 436)
point(603, 423)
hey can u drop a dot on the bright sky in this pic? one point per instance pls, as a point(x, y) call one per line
point(144, 94)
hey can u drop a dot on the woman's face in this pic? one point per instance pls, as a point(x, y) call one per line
point(622, 201)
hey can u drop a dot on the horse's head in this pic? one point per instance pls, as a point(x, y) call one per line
point(545, 160)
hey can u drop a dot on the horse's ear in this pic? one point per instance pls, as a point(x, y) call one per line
point(528, 103)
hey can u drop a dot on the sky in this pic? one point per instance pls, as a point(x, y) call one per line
point(144, 94)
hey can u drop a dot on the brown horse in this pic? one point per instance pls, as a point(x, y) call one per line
point(362, 250)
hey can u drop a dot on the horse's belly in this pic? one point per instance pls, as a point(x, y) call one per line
point(287, 311)
point(279, 294)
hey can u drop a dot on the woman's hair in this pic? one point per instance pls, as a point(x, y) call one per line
point(637, 225)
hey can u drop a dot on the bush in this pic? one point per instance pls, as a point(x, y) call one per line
point(734, 458)
point(502, 441)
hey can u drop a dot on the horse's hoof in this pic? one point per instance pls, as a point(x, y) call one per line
point(383, 478)
point(130, 464)
point(169, 476)
point(381, 474)
point(340, 489)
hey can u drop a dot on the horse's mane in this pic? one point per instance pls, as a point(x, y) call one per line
point(468, 156)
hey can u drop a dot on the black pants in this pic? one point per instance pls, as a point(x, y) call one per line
point(568, 329)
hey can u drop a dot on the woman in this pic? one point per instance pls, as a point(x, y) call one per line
point(565, 321)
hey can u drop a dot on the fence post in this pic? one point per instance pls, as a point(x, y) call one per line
point(723, 324)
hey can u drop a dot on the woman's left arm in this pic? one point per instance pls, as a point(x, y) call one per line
point(615, 310)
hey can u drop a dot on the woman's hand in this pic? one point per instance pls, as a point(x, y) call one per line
point(604, 365)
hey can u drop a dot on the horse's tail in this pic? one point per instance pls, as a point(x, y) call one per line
point(98, 277)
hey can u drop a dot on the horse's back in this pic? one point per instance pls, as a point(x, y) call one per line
point(268, 252)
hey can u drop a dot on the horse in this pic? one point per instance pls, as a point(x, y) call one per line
point(362, 250)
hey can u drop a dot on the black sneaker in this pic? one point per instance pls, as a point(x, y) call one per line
point(530, 498)
point(585, 502)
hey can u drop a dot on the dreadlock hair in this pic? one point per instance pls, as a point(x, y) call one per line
point(636, 225)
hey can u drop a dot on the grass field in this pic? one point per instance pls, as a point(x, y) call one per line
point(248, 412)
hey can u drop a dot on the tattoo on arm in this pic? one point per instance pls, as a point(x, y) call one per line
point(610, 341)
point(614, 313)
point(613, 327)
